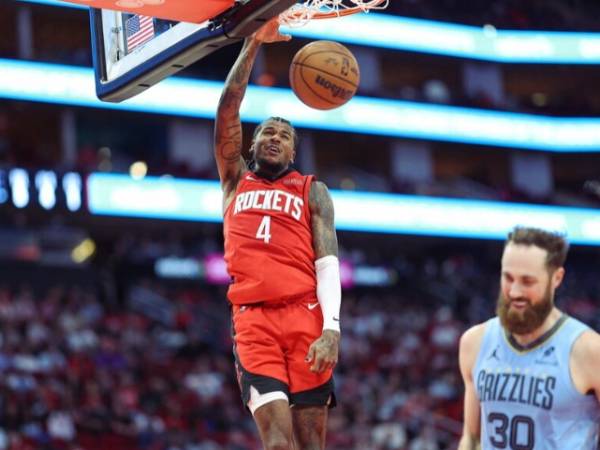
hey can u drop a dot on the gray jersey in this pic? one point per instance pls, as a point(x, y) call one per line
point(528, 400)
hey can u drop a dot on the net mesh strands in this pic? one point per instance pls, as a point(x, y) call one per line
point(302, 13)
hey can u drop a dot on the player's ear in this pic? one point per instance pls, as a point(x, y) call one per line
point(251, 149)
point(557, 277)
point(293, 156)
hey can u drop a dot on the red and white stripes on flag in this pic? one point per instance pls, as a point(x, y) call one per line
point(138, 29)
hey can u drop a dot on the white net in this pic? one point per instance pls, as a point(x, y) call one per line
point(302, 13)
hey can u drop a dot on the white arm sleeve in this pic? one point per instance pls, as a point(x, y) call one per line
point(329, 290)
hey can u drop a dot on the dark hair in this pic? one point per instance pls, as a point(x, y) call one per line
point(555, 244)
point(277, 119)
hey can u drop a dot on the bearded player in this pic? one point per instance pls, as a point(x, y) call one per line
point(281, 253)
point(531, 374)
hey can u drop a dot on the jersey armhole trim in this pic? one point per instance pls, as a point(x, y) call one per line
point(485, 335)
point(308, 181)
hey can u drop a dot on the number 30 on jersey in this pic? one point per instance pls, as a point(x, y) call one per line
point(264, 229)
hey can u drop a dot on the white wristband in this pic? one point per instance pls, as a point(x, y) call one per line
point(329, 290)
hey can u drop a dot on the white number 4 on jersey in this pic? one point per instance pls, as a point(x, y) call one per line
point(264, 229)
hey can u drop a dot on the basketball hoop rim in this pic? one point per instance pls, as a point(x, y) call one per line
point(300, 13)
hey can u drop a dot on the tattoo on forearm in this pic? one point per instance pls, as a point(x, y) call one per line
point(242, 72)
point(237, 80)
point(231, 98)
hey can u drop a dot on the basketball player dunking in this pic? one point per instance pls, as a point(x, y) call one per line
point(281, 253)
point(531, 374)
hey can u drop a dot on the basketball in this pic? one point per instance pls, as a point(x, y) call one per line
point(324, 75)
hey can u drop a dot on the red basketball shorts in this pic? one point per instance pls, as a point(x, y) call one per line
point(271, 342)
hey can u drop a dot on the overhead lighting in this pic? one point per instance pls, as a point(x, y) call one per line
point(59, 84)
point(490, 31)
point(201, 200)
point(138, 170)
point(83, 251)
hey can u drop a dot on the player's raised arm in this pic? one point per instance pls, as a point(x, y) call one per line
point(469, 347)
point(228, 127)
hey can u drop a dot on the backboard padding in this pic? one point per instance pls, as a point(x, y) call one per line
point(121, 74)
point(194, 11)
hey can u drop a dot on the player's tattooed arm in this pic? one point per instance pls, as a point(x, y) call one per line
point(323, 353)
point(228, 126)
point(322, 221)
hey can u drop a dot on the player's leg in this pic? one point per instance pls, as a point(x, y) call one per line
point(310, 426)
point(267, 399)
point(311, 393)
point(274, 423)
point(262, 375)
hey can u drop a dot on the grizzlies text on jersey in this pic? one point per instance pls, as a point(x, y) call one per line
point(527, 398)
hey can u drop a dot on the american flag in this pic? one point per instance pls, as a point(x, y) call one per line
point(138, 29)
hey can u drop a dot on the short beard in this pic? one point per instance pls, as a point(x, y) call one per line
point(525, 322)
point(268, 168)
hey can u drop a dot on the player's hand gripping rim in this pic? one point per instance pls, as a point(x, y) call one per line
point(269, 32)
point(323, 353)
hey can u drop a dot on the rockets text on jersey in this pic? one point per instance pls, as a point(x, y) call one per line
point(273, 200)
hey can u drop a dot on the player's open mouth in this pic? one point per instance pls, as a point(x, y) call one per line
point(519, 304)
point(273, 149)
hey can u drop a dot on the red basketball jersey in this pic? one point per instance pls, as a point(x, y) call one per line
point(268, 240)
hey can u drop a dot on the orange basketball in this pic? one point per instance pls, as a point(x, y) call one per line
point(324, 74)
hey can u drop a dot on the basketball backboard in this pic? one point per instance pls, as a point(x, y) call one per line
point(134, 47)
